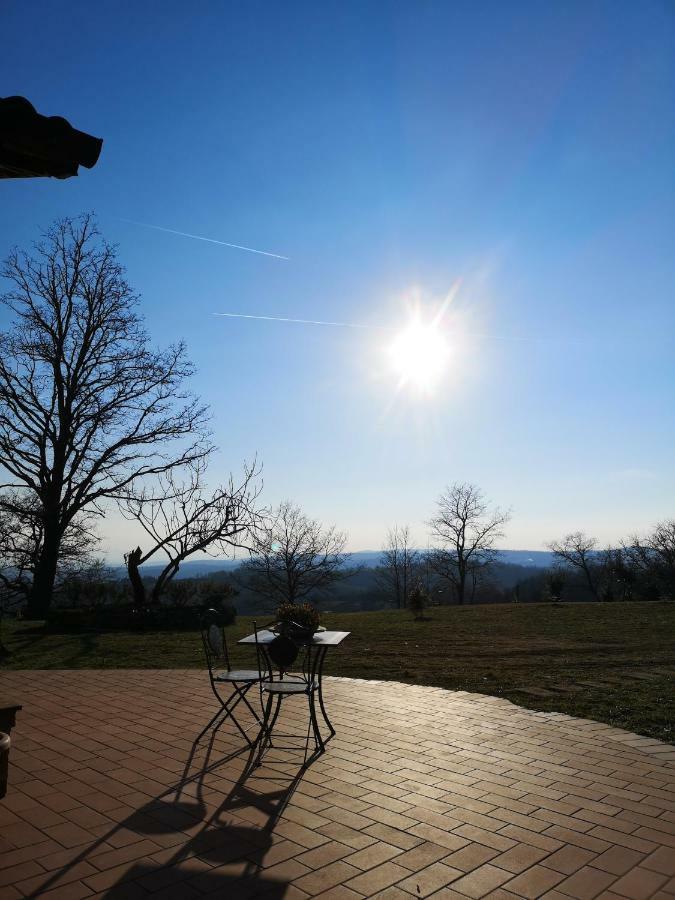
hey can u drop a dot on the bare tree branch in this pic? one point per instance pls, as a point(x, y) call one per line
point(181, 519)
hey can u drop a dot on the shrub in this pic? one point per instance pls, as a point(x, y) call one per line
point(303, 614)
point(127, 617)
point(418, 600)
point(68, 621)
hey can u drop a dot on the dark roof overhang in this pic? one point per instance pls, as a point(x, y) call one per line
point(32, 145)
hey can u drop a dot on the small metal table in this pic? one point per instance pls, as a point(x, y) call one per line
point(316, 648)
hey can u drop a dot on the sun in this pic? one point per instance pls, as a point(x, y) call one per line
point(419, 355)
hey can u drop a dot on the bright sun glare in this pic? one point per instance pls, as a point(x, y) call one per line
point(419, 355)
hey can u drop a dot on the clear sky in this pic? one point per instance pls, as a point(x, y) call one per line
point(390, 149)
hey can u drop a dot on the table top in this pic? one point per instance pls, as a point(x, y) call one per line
point(320, 639)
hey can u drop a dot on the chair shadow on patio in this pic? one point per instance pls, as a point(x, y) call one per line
point(219, 855)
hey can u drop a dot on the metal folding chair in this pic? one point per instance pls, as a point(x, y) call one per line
point(279, 655)
point(221, 673)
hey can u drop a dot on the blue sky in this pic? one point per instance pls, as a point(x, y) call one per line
point(389, 149)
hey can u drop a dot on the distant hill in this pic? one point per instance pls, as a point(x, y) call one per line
point(369, 559)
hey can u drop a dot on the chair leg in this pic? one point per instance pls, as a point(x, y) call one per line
point(309, 728)
point(276, 713)
point(244, 691)
point(315, 723)
point(230, 714)
point(265, 735)
point(228, 707)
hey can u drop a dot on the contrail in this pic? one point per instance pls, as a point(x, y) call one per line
point(297, 321)
point(199, 237)
point(472, 334)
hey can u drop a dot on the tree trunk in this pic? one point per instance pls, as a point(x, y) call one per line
point(591, 585)
point(132, 559)
point(461, 588)
point(44, 574)
point(162, 581)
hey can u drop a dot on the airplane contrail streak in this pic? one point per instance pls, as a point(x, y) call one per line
point(472, 334)
point(199, 237)
point(297, 321)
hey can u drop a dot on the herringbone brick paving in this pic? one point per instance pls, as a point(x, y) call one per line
point(423, 793)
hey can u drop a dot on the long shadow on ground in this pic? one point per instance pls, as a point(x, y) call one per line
point(215, 842)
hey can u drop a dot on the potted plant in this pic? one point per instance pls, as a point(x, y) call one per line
point(297, 620)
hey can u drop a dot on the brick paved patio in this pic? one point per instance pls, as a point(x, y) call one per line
point(423, 793)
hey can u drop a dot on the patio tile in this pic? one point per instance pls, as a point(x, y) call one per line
point(373, 855)
point(586, 883)
point(661, 860)
point(617, 860)
point(19, 872)
point(401, 839)
point(519, 858)
point(327, 877)
point(378, 878)
point(568, 859)
point(470, 857)
point(639, 884)
point(482, 880)
point(357, 840)
point(534, 883)
point(429, 880)
point(326, 854)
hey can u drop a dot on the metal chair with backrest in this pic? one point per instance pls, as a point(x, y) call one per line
point(221, 674)
point(278, 655)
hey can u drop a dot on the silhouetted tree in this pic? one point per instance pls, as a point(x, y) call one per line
point(293, 556)
point(652, 558)
point(466, 530)
point(617, 577)
point(579, 551)
point(180, 519)
point(398, 565)
point(86, 406)
point(21, 537)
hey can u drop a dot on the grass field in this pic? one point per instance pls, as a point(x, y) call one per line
point(611, 662)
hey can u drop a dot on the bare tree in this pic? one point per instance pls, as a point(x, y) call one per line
point(466, 530)
point(293, 556)
point(399, 565)
point(181, 519)
point(653, 557)
point(21, 536)
point(86, 406)
point(579, 551)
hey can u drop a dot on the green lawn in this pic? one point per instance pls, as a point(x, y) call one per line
point(610, 662)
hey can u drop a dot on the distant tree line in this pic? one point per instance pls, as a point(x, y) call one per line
point(462, 564)
point(638, 568)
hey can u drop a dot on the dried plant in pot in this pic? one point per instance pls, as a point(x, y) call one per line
point(297, 620)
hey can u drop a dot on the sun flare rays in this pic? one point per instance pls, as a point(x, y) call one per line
point(421, 352)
